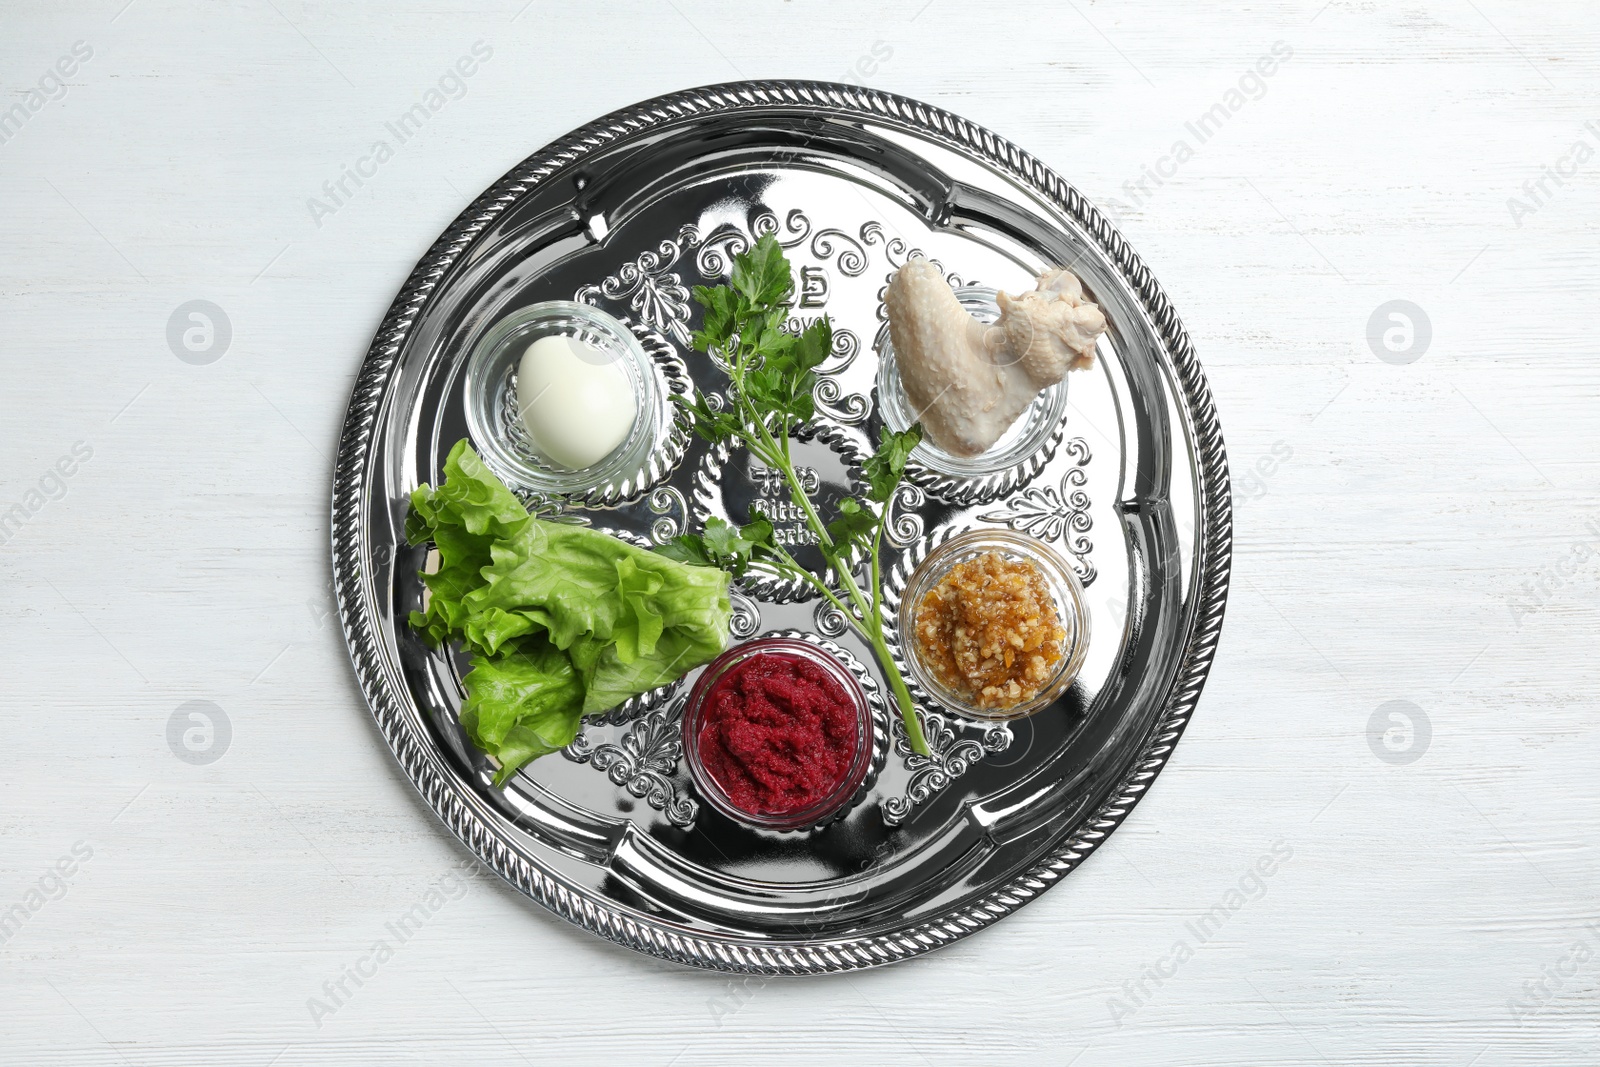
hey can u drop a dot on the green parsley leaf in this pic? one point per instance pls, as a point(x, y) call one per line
point(761, 275)
point(723, 541)
point(710, 424)
point(854, 524)
point(687, 548)
point(721, 319)
point(887, 465)
point(771, 392)
point(814, 346)
point(724, 545)
point(761, 536)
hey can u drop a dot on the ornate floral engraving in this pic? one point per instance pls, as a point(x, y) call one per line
point(852, 256)
point(797, 227)
point(953, 749)
point(633, 707)
point(896, 252)
point(872, 233)
point(644, 763)
point(830, 396)
point(746, 615)
point(655, 294)
point(905, 527)
point(546, 507)
point(1051, 513)
point(833, 402)
point(716, 254)
point(715, 257)
point(846, 346)
point(829, 619)
point(831, 399)
point(667, 501)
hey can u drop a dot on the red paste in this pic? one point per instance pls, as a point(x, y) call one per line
point(778, 733)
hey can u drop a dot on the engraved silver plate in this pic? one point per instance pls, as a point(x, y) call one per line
point(628, 214)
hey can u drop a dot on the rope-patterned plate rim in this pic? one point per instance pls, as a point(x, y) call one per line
point(471, 822)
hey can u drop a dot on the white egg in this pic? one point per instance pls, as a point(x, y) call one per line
point(576, 401)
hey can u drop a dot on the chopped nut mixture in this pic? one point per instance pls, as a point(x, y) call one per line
point(990, 631)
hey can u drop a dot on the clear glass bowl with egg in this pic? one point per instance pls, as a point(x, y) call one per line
point(1059, 580)
point(504, 424)
point(1022, 441)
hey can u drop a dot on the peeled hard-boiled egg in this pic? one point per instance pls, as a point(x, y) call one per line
point(576, 401)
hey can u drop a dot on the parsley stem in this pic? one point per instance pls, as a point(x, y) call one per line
point(744, 324)
point(870, 626)
point(820, 586)
point(902, 695)
point(870, 631)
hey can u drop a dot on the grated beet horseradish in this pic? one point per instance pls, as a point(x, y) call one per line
point(778, 733)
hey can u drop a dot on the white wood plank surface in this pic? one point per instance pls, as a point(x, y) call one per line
point(1425, 532)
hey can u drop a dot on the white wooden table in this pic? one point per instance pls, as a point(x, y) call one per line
point(1418, 525)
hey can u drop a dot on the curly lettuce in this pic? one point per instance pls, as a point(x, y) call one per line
point(561, 621)
point(522, 704)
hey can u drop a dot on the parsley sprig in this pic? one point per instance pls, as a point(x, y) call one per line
point(771, 376)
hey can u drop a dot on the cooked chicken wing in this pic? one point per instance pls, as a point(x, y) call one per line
point(968, 382)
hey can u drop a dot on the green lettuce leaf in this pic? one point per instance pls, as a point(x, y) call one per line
point(561, 621)
point(465, 518)
point(522, 704)
point(610, 681)
point(610, 604)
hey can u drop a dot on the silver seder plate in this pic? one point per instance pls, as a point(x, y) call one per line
point(627, 214)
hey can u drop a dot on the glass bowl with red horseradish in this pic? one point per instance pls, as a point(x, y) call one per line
point(778, 734)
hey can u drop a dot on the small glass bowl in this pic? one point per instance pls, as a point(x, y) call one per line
point(1022, 438)
point(1065, 590)
point(495, 424)
point(825, 807)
